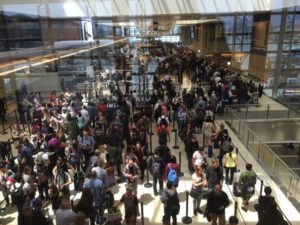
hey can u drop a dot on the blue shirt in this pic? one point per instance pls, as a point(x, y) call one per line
point(97, 188)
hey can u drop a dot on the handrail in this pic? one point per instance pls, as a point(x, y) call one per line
point(261, 180)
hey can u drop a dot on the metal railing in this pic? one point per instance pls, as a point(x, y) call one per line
point(264, 112)
point(285, 177)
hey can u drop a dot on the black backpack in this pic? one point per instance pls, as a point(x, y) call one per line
point(156, 167)
point(163, 137)
point(173, 203)
point(163, 121)
point(200, 114)
point(17, 196)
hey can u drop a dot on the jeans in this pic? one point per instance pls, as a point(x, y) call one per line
point(160, 181)
point(229, 177)
point(216, 217)
point(197, 201)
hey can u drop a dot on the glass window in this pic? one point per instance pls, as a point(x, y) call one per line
point(229, 39)
point(237, 48)
point(275, 23)
point(248, 24)
point(297, 23)
point(288, 37)
point(247, 39)
point(272, 47)
point(246, 48)
point(239, 24)
point(227, 23)
point(289, 22)
point(273, 38)
point(238, 39)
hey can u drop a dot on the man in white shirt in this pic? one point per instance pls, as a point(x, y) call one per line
point(198, 157)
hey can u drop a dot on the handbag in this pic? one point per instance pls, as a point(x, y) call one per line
point(194, 193)
point(237, 191)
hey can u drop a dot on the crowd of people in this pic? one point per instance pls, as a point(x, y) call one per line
point(101, 142)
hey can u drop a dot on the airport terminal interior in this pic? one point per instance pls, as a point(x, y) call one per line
point(149, 112)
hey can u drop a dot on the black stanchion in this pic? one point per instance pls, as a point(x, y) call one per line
point(17, 120)
point(174, 129)
point(180, 173)
point(203, 140)
point(3, 128)
point(186, 219)
point(176, 141)
point(261, 187)
point(151, 131)
point(235, 207)
point(142, 213)
point(147, 184)
point(150, 142)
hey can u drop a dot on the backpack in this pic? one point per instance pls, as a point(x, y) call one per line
point(172, 175)
point(156, 167)
point(200, 114)
point(163, 137)
point(173, 203)
point(163, 121)
point(17, 196)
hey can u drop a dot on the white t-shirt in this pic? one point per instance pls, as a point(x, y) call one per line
point(198, 157)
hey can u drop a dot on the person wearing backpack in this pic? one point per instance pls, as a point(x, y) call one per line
point(18, 196)
point(163, 120)
point(172, 171)
point(170, 200)
point(163, 134)
point(156, 170)
point(247, 182)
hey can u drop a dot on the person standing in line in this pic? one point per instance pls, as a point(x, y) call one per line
point(156, 170)
point(65, 215)
point(264, 202)
point(214, 175)
point(98, 191)
point(170, 200)
point(131, 206)
point(230, 163)
point(132, 173)
point(217, 202)
point(208, 128)
point(198, 182)
point(247, 182)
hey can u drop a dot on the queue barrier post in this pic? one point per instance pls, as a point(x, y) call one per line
point(181, 174)
point(147, 184)
point(186, 219)
point(235, 208)
point(3, 128)
point(261, 187)
point(142, 213)
point(176, 141)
